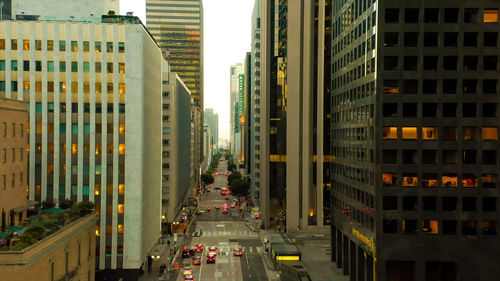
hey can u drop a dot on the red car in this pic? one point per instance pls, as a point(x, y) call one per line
point(217, 207)
point(208, 209)
point(257, 216)
point(198, 248)
point(226, 197)
point(211, 258)
point(238, 252)
point(212, 250)
point(225, 211)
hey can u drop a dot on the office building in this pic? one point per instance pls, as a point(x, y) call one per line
point(245, 117)
point(67, 254)
point(295, 108)
point(254, 109)
point(235, 71)
point(212, 119)
point(51, 9)
point(6, 9)
point(207, 150)
point(13, 161)
point(94, 93)
point(176, 134)
point(415, 139)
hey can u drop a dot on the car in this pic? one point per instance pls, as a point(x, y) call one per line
point(186, 254)
point(187, 271)
point(196, 260)
point(233, 205)
point(225, 206)
point(212, 250)
point(217, 207)
point(226, 197)
point(238, 252)
point(225, 211)
point(208, 209)
point(188, 278)
point(257, 216)
point(211, 258)
point(198, 248)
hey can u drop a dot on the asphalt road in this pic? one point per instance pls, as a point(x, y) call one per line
point(224, 231)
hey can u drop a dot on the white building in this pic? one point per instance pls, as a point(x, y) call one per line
point(64, 9)
point(235, 71)
point(94, 92)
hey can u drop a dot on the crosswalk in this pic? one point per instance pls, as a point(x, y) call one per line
point(228, 251)
point(224, 233)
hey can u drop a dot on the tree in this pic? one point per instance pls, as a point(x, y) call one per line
point(66, 204)
point(234, 176)
point(240, 187)
point(48, 204)
point(207, 178)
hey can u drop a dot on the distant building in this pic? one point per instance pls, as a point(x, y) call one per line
point(235, 71)
point(13, 161)
point(63, 9)
point(6, 9)
point(255, 101)
point(176, 139)
point(94, 92)
point(68, 254)
point(212, 119)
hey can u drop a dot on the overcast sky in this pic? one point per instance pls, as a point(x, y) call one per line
point(227, 38)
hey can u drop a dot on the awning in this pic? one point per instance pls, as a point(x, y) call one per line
point(3, 234)
point(14, 228)
point(26, 206)
point(52, 211)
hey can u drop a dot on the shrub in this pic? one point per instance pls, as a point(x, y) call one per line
point(85, 208)
point(48, 204)
point(66, 204)
point(37, 231)
point(20, 246)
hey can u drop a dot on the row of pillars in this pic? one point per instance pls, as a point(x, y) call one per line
point(352, 259)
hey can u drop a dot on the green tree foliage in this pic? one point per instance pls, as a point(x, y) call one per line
point(207, 178)
point(37, 231)
point(66, 204)
point(240, 187)
point(48, 204)
point(234, 176)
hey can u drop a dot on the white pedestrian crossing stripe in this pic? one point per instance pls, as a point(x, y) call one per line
point(224, 233)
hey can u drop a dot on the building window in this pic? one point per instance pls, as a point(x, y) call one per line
point(121, 67)
point(13, 44)
point(410, 180)
point(430, 227)
point(490, 15)
point(489, 180)
point(409, 133)
point(490, 133)
point(121, 88)
point(389, 179)
point(391, 15)
point(450, 39)
point(390, 133)
point(469, 180)
point(470, 39)
point(120, 208)
point(391, 87)
point(121, 47)
point(74, 46)
point(391, 39)
point(469, 227)
point(469, 133)
point(449, 180)
point(109, 47)
point(429, 133)
point(390, 226)
point(121, 148)
point(489, 227)
point(429, 180)
point(409, 226)
point(431, 15)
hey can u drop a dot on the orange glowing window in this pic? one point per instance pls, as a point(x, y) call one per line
point(121, 189)
point(98, 209)
point(120, 208)
point(120, 228)
point(26, 45)
point(97, 189)
point(410, 180)
point(97, 148)
point(449, 180)
point(122, 88)
point(429, 133)
point(490, 133)
point(469, 180)
point(490, 15)
point(74, 148)
point(109, 189)
point(122, 67)
point(98, 230)
point(409, 133)
point(390, 133)
point(389, 179)
point(26, 85)
point(430, 226)
point(121, 148)
point(122, 129)
point(109, 230)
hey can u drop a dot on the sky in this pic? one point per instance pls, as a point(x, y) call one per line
point(227, 29)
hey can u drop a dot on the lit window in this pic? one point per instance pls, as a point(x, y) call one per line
point(389, 179)
point(391, 87)
point(489, 227)
point(121, 148)
point(97, 231)
point(489, 180)
point(429, 133)
point(97, 189)
point(390, 133)
point(97, 149)
point(430, 226)
point(120, 228)
point(469, 180)
point(121, 189)
point(26, 45)
point(490, 133)
point(410, 180)
point(122, 67)
point(449, 180)
point(110, 148)
point(122, 129)
point(490, 15)
point(469, 133)
point(409, 133)
point(26, 86)
point(122, 88)
point(429, 180)
point(120, 208)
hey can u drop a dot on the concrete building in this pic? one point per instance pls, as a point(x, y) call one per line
point(6, 9)
point(176, 134)
point(94, 92)
point(68, 254)
point(235, 71)
point(293, 106)
point(254, 108)
point(245, 118)
point(13, 161)
point(415, 139)
point(207, 149)
point(73, 9)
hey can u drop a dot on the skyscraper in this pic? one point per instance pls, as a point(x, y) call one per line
point(95, 124)
point(415, 139)
point(212, 119)
point(235, 71)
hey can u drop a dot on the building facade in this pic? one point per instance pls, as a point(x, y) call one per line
point(235, 71)
point(415, 139)
point(66, 254)
point(73, 9)
point(13, 161)
point(176, 134)
point(93, 88)
point(254, 109)
point(212, 119)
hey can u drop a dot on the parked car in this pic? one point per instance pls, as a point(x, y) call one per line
point(225, 211)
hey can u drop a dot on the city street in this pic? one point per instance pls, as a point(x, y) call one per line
point(225, 232)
